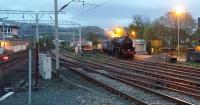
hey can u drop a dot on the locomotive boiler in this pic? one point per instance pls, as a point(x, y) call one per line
point(119, 47)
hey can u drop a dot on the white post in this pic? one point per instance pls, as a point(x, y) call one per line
point(56, 35)
point(178, 35)
point(80, 38)
point(3, 35)
point(164, 56)
point(29, 75)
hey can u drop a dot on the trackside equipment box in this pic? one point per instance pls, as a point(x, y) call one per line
point(46, 68)
point(41, 56)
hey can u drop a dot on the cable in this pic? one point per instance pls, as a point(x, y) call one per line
point(90, 9)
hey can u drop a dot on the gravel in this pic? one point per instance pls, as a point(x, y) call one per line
point(171, 93)
point(75, 91)
point(96, 95)
point(181, 96)
point(95, 99)
point(132, 91)
point(148, 97)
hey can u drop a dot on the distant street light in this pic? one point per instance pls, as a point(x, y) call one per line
point(179, 11)
point(133, 34)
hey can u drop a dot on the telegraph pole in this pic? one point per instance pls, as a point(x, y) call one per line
point(56, 36)
point(37, 50)
point(80, 38)
point(57, 43)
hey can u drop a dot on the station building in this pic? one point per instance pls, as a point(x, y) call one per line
point(10, 30)
point(11, 42)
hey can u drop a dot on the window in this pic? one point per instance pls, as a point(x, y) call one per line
point(7, 30)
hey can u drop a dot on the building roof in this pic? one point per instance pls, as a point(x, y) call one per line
point(8, 25)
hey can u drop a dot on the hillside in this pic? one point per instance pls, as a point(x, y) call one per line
point(27, 29)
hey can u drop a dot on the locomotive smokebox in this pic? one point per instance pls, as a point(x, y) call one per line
point(120, 47)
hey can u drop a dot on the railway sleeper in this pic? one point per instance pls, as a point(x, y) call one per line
point(111, 88)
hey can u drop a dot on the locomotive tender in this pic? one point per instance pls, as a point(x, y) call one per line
point(119, 47)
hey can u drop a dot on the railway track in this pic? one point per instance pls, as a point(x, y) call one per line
point(192, 88)
point(12, 55)
point(131, 99)
point(14, 60)
point(8, 70)
point(96, 68)
point(106, 86)
point(149, 67)
point(192, 85)
point(162, 66)
point(172, 85)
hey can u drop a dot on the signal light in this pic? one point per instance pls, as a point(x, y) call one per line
point(5, 58)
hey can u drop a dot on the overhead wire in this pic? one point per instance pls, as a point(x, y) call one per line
point(90, 9)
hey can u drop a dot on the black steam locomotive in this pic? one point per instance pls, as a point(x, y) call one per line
point(119, 47)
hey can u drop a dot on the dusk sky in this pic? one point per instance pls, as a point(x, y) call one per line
point(109, 12)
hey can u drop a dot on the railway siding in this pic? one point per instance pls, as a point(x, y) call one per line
point(168, 97)
point(96, 65)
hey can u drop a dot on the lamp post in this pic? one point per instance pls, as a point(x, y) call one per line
point(178, 34)
point(178, 11)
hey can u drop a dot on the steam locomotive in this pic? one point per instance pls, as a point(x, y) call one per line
point(119, 47)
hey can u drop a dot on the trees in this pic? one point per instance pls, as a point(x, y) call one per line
point(150, 33)
point(170, 24)
point(165, 28)
point(94, 38)
point(138, 25)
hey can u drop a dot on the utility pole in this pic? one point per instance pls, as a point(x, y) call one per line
point(56, 36)
point(57, 43)
point(29, 77)
point(178, 35)
point(37, 50)
point(80, 38)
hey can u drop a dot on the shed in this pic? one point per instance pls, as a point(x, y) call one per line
point(140, 45)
